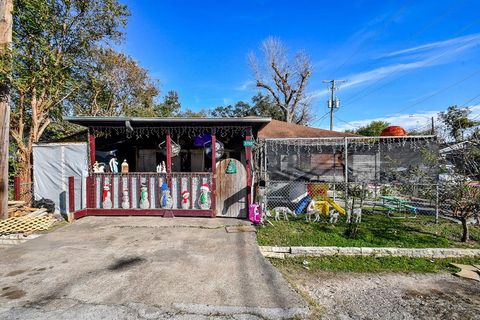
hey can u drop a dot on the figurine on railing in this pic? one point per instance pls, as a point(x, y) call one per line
point(113, 163)
point(185, 199)
point(98, 167)
point(144, 203)
point(125, 166)
point(125, 200)
point(161, 168)
point(166, 200)
point(107, 196)
point(204, 201)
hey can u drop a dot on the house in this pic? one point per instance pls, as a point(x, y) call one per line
point(177, 164)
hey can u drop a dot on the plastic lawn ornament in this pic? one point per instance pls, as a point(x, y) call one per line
point(254, 214)
point(144, 203)
point(161, 168)
point(106, 197)
point(125, 200)
point(125, 166)
point(98, 167)
point(113, 165)
point(166, 200)
point(204, 201)
point(185, 199)
point(231, 167)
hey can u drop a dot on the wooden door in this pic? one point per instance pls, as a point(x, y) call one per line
point(231, 190)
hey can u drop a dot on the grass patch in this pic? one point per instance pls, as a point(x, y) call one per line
point(376, 230)
point(372, 264)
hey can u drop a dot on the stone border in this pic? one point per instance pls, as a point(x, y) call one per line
point(284, 252)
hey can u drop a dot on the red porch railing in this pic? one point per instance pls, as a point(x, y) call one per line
point(132, 182)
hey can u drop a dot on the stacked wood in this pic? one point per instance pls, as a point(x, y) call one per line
point(20, 209)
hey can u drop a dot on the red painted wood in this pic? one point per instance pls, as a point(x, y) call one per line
point(192, 205)
point(102, 184)
point(248, 160)
point(169, 160)
point(120, 190)
point(80, 214)
point(112, 190)
point(71, 194)
point(17, 192)
point(148, 190)
point(91, 140)
point(142, 212)
point(214, 174)
point(130, 190)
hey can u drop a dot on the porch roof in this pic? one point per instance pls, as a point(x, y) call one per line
point(88, 121)
point(281, 129)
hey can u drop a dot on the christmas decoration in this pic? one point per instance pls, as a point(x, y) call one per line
point(166, 201)
point(106, 196)
point(98, 167)
point(231, 167)
point(393, 131)
point(204, 201)
point(125, 200)
point(113, 163)
point(125, 166)
point(185, 199)
point(144, 203)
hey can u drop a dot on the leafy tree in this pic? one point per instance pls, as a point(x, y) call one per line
point(456, 121)
point(284, 79)
point(170, 107)
point(262, 106)
point(114, 84)
point(52, 42)
point(372, 129)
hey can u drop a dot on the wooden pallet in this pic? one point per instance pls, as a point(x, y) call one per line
point(26, 224)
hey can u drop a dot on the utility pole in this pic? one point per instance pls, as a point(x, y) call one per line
point(333, 102)
point(433, 126)
point(6, 7)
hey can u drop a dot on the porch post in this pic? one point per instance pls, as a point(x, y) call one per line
point(214, 174)
point(248, 160)
point(169, 159)
point(91, 179)
point(91, 141)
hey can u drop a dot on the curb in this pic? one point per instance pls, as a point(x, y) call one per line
point(285, 252)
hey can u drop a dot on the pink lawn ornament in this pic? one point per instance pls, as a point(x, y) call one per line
point(254, 213)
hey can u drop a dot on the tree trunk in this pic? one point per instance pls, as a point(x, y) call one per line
point(6, 8)
point(25, 175)
point(466, 232)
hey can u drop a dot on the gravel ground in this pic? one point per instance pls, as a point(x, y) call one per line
point(391, 296)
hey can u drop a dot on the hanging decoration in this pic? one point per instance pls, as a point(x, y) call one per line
point(166, 200)
point(219, 149)
point(200, 140)
point(160, 132)
point(144, 203)
point(231, 167)
point(175, 148)
point(204, 201)
point(185, 199)
point(106, 197)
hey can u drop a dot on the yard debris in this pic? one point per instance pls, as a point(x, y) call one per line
point(26, 220)
point(467, 271)
point(236, 229)
point(20, 209)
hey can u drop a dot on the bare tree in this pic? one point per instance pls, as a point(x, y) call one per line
point(284, 79)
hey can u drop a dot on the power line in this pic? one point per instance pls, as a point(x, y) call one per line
point(359, 94)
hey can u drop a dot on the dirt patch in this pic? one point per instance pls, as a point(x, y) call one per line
point(15, 273)
point(13, 293)
point(390, 296)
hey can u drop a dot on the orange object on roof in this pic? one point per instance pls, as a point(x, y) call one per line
point(393, 131)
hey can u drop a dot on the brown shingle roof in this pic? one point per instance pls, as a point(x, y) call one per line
point(281, 129)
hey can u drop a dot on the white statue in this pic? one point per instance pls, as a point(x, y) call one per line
point(185, 199)
point(113, 163)
point(311, 210)
point(125, 200)
point(98, 168)
point(159, 168)
point(283, 211)
point(107, 197)
point(357, 215)
point(204, 201)
point(334, 215)
point(144, 203)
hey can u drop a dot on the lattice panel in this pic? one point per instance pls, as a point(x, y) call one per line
point(25, 224)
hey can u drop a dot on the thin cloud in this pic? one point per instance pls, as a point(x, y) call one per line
point(246, 85)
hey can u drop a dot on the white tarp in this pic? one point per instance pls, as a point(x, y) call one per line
point(53, 163)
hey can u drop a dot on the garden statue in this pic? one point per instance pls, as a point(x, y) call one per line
point(125, 200)
point(357, 215)
point(311, 210)
point(161, 168)
point(185, 199)
point(107, 197)
point(204, 201)
point(283, 211)
point(113, 165)
point(144, 203)
point(166, 200)
point(98, 168)
point(125, 166)
point(334, 215)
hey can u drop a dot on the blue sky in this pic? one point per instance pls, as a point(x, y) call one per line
point(399, 57)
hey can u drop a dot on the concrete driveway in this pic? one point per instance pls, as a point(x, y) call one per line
point(143, 268)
